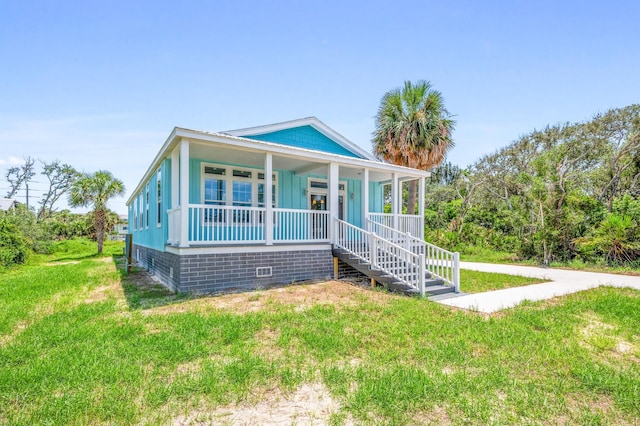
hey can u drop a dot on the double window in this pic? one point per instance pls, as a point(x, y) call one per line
point(234, 186)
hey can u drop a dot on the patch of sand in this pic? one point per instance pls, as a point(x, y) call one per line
point(311, 404)
point(70, 262)
point(303, 296)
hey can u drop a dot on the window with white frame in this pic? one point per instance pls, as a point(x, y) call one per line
point(135, 214)
point(146, 206)
point(159, 197)
point(140, 212)
point(233, 186)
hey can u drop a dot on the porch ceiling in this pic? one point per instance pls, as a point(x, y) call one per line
point(224, 154)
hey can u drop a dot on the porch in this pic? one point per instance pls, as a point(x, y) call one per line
point(219, 195)
point(234, 225)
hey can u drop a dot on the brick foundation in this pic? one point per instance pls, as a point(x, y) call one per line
point(215, 272)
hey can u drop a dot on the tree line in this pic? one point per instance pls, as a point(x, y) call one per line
point(569, 191)
point(25, 228)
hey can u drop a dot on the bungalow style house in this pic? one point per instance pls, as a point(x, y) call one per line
point(276, 204)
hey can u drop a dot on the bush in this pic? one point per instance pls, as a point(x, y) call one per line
point(617, 239)
point(14, 246)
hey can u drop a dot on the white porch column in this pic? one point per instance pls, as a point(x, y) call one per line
point(394, 200)
point(184, 193)
point(333, 188)
point(421, 191)
point(175, 177)
point(268, 195)
point(365, 198)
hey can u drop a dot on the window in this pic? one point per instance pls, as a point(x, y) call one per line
point(233, 186)
point(215, 189)
point(135, 214)
point(146, 206)
point(159, 198)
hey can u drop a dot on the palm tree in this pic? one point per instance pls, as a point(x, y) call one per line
point(413, 129)
point(95, 190)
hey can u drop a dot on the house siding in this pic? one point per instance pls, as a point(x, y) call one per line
point(153, 236)
point(304, 137)
point(291, 189)
point(291, 194)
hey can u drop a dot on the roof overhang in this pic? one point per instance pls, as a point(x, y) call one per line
point(221, 140)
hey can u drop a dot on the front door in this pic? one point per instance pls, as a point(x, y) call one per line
point(318, 225)
point(319, 202)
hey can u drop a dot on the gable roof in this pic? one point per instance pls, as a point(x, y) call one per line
point(314, 122)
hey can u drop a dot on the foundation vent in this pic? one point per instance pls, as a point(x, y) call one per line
point(264, 271)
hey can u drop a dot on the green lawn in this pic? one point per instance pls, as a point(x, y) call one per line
point(477, 282)
point(80, 344)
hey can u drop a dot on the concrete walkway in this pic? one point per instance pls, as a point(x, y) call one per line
point(561, 282)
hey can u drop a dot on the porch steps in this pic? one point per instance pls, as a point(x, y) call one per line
point(433, 286)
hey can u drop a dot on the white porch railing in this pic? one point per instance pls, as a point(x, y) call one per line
point(235, 224)
point(225, 224)
point(404, 265)
point(411, 223)
point(439, 262)
point(295, 225)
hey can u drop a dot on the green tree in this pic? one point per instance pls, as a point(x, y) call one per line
point(413, 129)
point(95, 190)
point(60, 177)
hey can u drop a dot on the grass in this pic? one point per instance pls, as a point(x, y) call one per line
point(477, 282)
point(485, 255)
point(80, 344)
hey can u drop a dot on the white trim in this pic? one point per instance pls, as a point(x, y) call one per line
point(229, 178)
point(159, 200)
point(175, 178)
point(258, 248)
point(421, 200)
point(396, 193)
point(239, 143)
point(365, 197)
point(184, 192)
point(269, 195)
point(307, 121)
point(325, 191)
point(145, 199)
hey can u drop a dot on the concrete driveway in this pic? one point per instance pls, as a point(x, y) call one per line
point(561, 282)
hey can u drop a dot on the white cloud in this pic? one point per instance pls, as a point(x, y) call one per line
point(11, 161)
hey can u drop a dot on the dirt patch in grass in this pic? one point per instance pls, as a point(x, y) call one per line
point(437, 416)
point(599, 337)
point(302, 297)
point(309, 404)
point(70, 262)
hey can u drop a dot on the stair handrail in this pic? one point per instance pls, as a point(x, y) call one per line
point(401, 268)
point(440, 262)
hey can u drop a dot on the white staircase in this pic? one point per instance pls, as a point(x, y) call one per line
point(398, 260)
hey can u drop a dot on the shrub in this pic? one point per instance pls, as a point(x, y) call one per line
point(617, 238)
point(14, 246)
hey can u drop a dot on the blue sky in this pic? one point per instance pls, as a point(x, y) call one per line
point(100, 84)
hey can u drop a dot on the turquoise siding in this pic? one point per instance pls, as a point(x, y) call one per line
point(305, 137)
point(291, 195)
point(153, 236)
